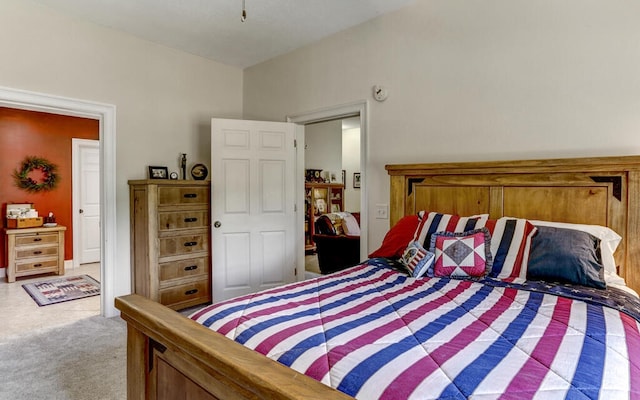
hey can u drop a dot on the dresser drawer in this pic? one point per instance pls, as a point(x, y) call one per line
point(196, 292)
point(170, 220)
point(40, 251)
point(36, 239)
point(184, 268)
point(183, 244)
point(180, 195)
point(38, 266)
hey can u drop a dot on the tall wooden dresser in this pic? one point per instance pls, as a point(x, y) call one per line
point(170, 241)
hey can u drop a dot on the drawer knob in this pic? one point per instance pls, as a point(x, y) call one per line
point(190, 292)
point(191, 219)
point(190, 195)
point(37, 265)
point(189, 244)
point(37, 252)
point(37, 239)
point(190, 267)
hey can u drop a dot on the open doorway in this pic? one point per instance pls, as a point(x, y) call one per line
point(110, 282)
point(48, 258)
point(332, 190)
point(357, 110)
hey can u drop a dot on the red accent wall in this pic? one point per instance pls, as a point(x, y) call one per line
point(30, 133)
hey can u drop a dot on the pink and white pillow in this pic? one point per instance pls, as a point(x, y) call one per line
point(461, 255)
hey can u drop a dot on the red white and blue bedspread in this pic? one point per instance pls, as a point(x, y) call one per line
point(373, 332)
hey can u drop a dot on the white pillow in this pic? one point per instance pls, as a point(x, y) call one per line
point(350, 225)
point(609, 241)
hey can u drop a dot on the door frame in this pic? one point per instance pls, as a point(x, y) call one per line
point(106, 115)
point(76, 144)
point(361, 108)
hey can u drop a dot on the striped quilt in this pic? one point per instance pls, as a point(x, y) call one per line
point(373, 332)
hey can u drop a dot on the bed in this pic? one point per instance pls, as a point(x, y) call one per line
point(495, 335)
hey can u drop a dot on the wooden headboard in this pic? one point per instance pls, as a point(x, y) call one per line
point(599, 191)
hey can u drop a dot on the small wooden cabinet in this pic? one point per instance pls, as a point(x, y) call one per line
point(170, 241)
point(33, 251)
point(320, 198)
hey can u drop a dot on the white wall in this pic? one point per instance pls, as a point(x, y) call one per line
point(323, 146)
point(351, 164)
point(164, 98)
point(471, 81)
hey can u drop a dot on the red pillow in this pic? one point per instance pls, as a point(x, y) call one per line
point(398, 238)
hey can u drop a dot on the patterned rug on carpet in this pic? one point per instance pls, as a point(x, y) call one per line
point(58, 290)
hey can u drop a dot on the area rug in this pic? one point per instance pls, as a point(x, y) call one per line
point(62, 289)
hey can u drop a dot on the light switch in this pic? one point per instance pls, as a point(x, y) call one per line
point(382, 211)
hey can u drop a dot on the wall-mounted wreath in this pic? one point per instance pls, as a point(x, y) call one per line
point(48, 182)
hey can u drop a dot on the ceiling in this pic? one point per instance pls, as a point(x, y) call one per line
point(212, 28)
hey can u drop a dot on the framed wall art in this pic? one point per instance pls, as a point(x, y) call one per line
point(356, 180)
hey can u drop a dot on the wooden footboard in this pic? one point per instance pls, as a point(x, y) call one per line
point(170, 356)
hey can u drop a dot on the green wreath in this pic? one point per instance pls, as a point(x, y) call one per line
point(23, 181)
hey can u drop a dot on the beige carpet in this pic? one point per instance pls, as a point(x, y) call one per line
point(80, 361)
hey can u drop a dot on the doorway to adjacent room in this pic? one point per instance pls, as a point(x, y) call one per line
point(356, 111)
point(333, 149)
point(105, 114)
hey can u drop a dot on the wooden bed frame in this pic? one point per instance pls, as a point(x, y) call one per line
point(172, 357)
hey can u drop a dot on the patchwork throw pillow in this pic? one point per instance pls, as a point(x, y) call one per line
point(416, 259)
point(510, 245)
point(461, 255)
point(398, 237)
point(432, 222)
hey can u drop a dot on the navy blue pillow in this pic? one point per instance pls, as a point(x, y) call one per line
point(566, 256)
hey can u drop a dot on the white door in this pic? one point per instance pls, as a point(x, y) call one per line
point(253, 196)
point(86, 201)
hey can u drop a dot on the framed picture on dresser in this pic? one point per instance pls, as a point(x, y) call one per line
point(158, 172)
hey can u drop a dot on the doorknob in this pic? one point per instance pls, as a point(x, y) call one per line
point(81, 211)
point(217, 224)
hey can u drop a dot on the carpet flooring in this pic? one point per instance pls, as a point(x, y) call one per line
point(83, 360)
